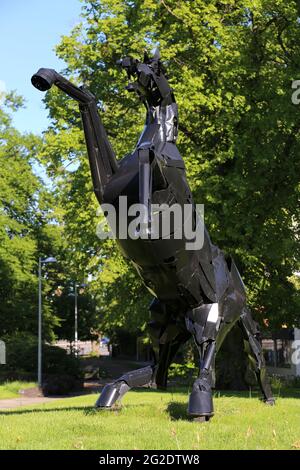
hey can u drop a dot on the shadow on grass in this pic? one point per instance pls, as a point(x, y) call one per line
point(178, 411)
point(87, 410)
point(284, 393)
point(253, 393)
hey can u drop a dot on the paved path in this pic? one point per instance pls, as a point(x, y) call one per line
point(24, 401)
point(114, 368)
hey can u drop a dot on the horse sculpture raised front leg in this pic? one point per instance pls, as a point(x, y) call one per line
point(197, 292)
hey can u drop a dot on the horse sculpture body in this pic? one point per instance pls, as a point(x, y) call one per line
point(197, 292)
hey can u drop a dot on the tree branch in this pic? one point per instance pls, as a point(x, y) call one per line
point(169, 10)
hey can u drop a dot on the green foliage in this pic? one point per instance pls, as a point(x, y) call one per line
point(12, 389)
point(22, 357)
point(30, 228)
point(231, 65)
point(27, 230)
point(64, 307)
point(276, 384)
point(186, 371)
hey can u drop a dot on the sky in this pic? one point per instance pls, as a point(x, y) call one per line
point(29, 31)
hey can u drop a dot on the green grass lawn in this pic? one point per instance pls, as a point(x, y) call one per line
point(153, 420)
point(11, 389)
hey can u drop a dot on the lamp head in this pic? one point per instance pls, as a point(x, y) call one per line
point(51, 259)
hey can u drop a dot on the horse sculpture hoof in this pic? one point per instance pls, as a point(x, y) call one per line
point(202, 419)
point(270, 402)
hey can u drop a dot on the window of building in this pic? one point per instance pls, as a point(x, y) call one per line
point(277, 352)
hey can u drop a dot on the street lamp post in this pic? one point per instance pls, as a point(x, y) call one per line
point(40, 326)
point(76, 314)
point(76, 320)
point(41, 262)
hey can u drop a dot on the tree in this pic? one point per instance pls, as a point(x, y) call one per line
point(64, 307)
point(26, 231)
point(231, 64)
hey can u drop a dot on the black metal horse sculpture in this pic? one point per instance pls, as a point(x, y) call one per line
point(197, 292)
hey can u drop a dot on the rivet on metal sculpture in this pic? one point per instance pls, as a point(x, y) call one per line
point(2, 352)
point(198, 293)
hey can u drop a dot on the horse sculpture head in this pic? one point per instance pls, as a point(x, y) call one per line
point(150, 80)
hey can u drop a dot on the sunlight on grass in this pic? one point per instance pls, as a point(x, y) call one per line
point(11, 389)
point(152, 420)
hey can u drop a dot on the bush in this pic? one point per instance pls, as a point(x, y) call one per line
point(295, 382)
point(62, 384)
point(21, 353)
point(276, 383)
point(184, 372)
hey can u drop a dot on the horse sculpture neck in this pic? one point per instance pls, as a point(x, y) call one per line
point(161, 123)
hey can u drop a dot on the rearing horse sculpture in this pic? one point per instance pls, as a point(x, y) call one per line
point(197, 292)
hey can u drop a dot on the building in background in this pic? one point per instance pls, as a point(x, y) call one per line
point(2, 352)
point(281, 352)
point(86, 348)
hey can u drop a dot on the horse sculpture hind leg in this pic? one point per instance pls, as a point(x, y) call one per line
point(203, 323)
point(253, 349)
point(209, 324)
point(205, 326)
point(235, 303)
